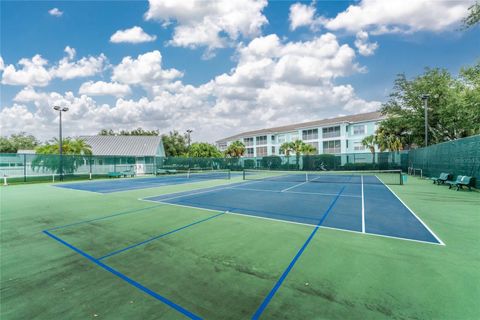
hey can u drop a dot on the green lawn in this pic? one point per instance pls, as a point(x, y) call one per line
point(224, 267)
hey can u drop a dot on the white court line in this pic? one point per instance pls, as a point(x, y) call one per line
point(298, 192)
point(363, 207)
point(297, 223)
point(411, 211)
point(297, 185)
point(215, 188)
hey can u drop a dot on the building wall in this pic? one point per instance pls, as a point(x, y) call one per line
point(338, 138)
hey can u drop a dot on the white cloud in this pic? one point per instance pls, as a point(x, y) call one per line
point(101, 88)
point(85, 67)
point(395, 16)
point(209, 23)
point(302, 15)
point(274, 82)
point(364, 47)
point(55, 12)
point(71, 52)
point(2, 64)
point(132, 35)
point(145, 70)
point(33, 72)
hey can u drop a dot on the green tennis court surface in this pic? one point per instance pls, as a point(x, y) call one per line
point(190, 262)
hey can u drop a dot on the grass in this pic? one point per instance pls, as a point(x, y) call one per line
point(224, 267)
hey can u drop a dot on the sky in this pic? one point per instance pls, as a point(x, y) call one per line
point(216, 67)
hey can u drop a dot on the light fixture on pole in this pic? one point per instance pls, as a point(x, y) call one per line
point(189, 131)
point(60, 110)
point(425, 106)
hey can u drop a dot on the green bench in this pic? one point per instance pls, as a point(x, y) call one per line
point(114, 174)
point(460, 182)
point(444, 177)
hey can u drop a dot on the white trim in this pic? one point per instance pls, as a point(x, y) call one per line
point(363, 207)
point(411, 211)
point(293, 222)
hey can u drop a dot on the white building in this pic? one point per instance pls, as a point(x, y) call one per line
point(334, 136)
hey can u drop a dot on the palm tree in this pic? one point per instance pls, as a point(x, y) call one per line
point(286, 148)
point(308, 149)
point(235, 150)
point(370, 142)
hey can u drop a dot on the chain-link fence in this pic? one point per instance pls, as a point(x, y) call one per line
point(458, 157)
point(38, 167)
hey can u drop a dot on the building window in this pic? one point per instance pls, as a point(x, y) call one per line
point(358, 129)
point(331, 132)
point(273, 139)
point(261, 140)
point(249, 152)
point(281, 139)
point(333, 146)
point(310, 134)
point(261, 151)
point(294, 137)
point(358, 146)
point(273, 150)
point(248, 142)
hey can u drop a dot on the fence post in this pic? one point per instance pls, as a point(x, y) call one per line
point(24, 168)
point(90, 162)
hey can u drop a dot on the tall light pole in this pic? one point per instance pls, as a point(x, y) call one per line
point(425, 106)
point(60, 110)
point(189, 131)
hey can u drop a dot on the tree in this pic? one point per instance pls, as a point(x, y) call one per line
point(298, 147)
point(203, 150)
point(6, 146)
point(75, 151)
point(473, 17)
point(386, 141)
point(235, 149)
point(175, 144)
point(369, 142)
point(135, 132)
point(17, 142)
point(69, 147)
point(453, 107)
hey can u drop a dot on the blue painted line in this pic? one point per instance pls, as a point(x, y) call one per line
point(105, 217)
point(148, 291)
point(269, 297)
point(158, 237)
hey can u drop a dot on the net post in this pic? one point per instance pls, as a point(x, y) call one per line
point(25, 167)
point(243, 174)
point(401, 177)
point(229, 174)
point(5, 180)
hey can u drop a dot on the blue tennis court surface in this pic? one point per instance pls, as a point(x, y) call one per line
point(363, 206)
point(125, 184)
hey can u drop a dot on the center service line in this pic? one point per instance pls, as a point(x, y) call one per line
point(269, 297)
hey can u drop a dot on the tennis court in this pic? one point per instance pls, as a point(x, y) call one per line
point(365, 203)
point(269, 245)
point(117, 185)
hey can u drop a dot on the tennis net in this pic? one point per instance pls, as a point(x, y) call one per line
point(389, 177)
point(203, 174)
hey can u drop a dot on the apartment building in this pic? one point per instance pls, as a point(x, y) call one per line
point(334, 136)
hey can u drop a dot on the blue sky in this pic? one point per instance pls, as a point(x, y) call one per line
point(218, 67)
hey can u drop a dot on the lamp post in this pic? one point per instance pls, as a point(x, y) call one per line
point(425, 106)
point(189, 131)
point(60, 110)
